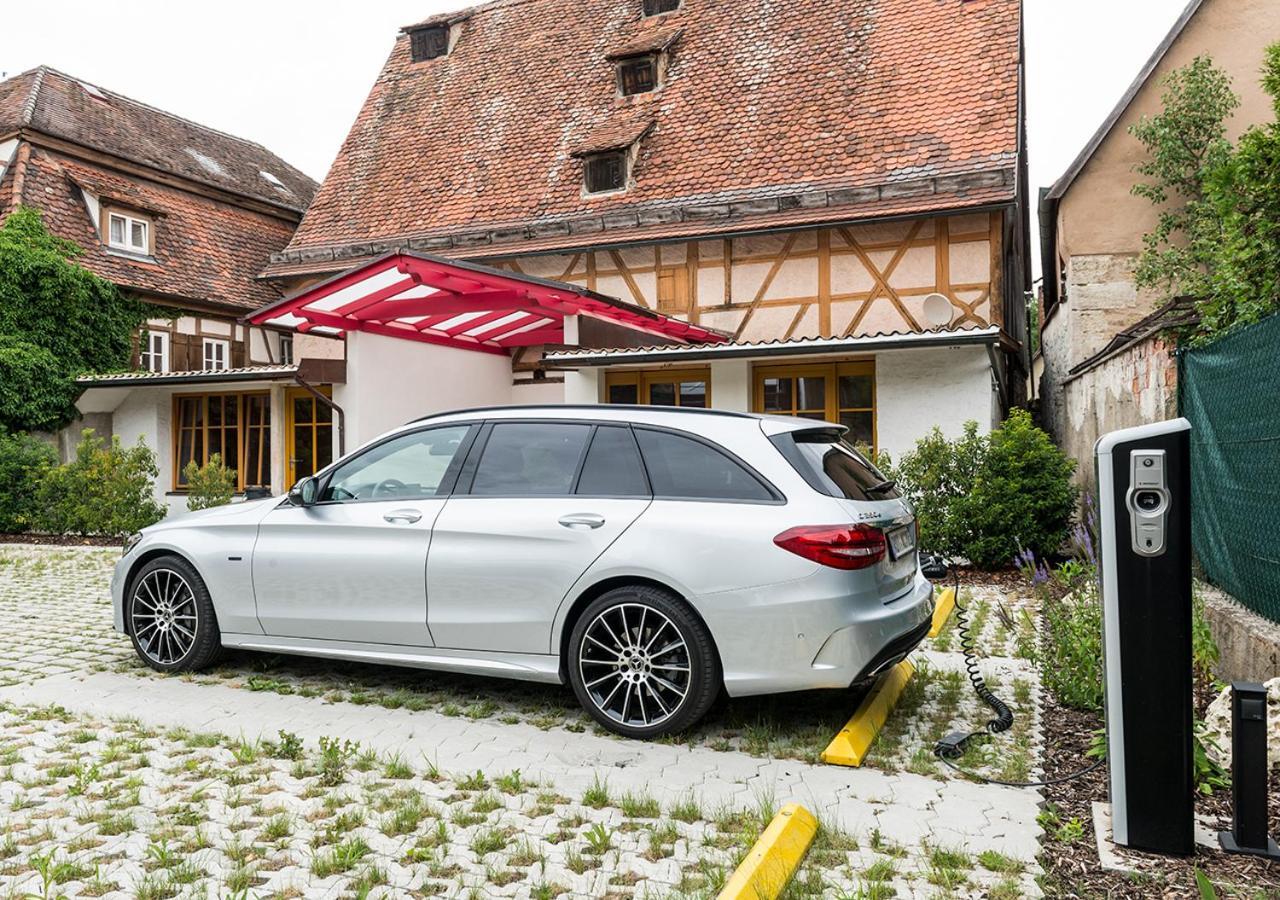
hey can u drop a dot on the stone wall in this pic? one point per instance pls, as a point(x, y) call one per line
point(1249, 644)
point(1136, 386)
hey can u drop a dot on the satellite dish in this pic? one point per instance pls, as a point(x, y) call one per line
point(937, 310)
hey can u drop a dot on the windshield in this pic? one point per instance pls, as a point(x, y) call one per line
point(834, 466)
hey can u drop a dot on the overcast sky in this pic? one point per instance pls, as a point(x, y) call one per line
point(292, 74)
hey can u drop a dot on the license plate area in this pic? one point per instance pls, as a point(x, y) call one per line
point(902, 541)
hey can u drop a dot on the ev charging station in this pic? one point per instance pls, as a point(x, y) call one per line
point(1144, 488)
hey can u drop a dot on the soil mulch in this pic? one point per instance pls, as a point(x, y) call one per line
point(1071, 863)
point(59, 540)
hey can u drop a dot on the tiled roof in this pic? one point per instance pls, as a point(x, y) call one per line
point(763, 103)
point(792, 346)
point(60, 106)
point(206, 251)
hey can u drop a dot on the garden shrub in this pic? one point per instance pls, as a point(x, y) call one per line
point(982, 498)
point(1023, 498)
point(212, 484)
point(937, 477)
point(24, 461)
point(105, 490)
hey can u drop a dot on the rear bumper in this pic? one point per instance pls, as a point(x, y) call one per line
point(867, 640)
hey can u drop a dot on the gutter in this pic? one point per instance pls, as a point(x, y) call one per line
point(986, 336)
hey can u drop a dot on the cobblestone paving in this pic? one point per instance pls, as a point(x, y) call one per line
point(905, 829)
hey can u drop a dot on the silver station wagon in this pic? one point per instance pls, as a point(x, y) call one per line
point(648, 557)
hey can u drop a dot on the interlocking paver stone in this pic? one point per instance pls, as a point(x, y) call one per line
point(57, 649)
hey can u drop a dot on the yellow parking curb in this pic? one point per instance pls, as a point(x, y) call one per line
point(942, 611)
point(850, 746)
point(765, 871)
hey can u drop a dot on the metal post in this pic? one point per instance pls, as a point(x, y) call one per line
point(1248, 832)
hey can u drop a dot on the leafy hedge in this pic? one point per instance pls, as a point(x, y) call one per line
point(24, 460)
point(106, 490)
point(985, 497)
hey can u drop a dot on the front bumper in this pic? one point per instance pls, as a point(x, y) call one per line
point(869, 639)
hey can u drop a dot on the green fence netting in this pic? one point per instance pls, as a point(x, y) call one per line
point(1230, 392)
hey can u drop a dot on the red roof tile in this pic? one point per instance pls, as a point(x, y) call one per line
point(762, 101)
point(60, 106)
point(206, 251)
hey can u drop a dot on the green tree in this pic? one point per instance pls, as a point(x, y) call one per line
point(1185, 141)
point(1244, 193)
point(57, 320)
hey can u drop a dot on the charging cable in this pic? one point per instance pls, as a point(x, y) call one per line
point(952, 746)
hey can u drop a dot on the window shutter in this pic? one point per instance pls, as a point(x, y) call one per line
point(428, 43)
point(237, 354)
point(180, 353)
point(673, 289)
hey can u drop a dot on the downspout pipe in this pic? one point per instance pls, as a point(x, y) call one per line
point(337, 411)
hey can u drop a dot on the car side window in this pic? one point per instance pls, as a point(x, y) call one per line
point(685, 468)
point(613, 467)
point(410, 467)
point(530, 459)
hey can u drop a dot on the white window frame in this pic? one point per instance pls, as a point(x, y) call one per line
point(149, 356)
point(127, 244)
point(216, 355)
point(286, 349)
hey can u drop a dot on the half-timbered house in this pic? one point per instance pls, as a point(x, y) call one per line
point(833, 189)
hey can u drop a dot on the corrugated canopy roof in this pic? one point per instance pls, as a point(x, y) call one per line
point(473, 307)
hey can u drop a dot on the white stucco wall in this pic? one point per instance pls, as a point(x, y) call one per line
point(731, 385)
point(919, 389)
point(583, 386)
point(144, 416)
point(392, 381)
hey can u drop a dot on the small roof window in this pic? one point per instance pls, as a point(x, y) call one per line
point(429, 42)
point(658, 7)
point(605, 172)
point(638, 75)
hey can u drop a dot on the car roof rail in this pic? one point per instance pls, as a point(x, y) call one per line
point(570, 406)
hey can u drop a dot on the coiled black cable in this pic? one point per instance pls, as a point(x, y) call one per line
point(952, 745)
point(1004, 715)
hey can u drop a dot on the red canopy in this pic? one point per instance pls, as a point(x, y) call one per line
point(441, 301)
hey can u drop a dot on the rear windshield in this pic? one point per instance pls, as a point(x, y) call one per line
point(831, 465)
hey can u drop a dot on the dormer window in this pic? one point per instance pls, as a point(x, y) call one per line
point(429, 43)
point(606, 172)
point(128, 233)
point(638, 75)
point(658, 7)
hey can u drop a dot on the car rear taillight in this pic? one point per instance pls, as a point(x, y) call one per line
point(838, 546)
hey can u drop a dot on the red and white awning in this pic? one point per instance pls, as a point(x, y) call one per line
point(441, 301)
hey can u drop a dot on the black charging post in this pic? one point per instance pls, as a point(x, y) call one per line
point(1248, 832)
point(1144, 497)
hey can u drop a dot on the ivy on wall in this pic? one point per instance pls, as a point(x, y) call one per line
point(57, 320)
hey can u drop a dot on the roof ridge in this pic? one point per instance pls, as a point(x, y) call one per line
point(465, 12)
point(29, 107)
point(163, 112)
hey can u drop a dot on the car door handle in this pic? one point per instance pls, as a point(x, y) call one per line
point(408, 516)
point(582, 520)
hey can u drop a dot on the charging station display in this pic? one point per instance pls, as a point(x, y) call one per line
point(1144, 487)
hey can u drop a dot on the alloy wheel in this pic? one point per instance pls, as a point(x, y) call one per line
point(635, 665)
point(164, 615)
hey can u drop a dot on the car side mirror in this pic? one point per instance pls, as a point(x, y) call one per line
point(304, 492)
point(933, 566)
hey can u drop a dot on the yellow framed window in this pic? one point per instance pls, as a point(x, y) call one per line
point(833, 392)
point(660, 387)
point(308, 434)
point(237, 427)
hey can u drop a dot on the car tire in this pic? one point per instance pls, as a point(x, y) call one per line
point(642, 663)
point(170, 616)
